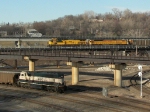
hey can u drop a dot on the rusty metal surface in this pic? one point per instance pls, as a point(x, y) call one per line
point(7, 78)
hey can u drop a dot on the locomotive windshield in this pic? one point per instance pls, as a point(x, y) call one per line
point(29, 74)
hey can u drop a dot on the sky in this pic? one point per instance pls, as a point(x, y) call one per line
point(15, 11)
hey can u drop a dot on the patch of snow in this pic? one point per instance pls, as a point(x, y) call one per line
point(106, 68)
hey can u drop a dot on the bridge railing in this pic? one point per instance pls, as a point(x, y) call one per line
point(91, 54)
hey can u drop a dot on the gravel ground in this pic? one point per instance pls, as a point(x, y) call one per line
point(90, 76)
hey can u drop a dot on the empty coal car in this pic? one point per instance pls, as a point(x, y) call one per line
point(45, 80)
point(9, 77)
point(142, 42)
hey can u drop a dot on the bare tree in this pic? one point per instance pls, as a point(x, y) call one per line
point(117, 13)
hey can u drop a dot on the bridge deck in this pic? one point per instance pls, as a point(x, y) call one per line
point(76, 55)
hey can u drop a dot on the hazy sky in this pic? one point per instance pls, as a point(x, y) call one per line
point(42, 10)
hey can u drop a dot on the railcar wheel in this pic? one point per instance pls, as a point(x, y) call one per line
point(21, 85)
point(62, 90)
point(29, 86)
point(47, 88)
point(57, 88)
point(43, 87)
point(65, 88)
point(18, 84)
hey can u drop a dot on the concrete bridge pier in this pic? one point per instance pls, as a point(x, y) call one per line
point(58, 63)
point(124, 53)
point(31, 63)
point(117, 73)
point(75, 71)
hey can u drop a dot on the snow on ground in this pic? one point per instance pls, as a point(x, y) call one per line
point(106, 68)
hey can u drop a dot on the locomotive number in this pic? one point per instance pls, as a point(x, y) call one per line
point(40, 79)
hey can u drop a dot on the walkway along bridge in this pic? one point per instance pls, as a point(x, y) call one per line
point(117, 56)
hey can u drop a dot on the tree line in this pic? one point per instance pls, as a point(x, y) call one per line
point(116, 23)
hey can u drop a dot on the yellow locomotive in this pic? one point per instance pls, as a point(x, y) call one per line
point(54, 42)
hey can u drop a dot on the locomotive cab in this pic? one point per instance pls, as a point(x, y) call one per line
point(24, 76)
point(53, 41)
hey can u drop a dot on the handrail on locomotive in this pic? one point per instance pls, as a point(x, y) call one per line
point(54, 41)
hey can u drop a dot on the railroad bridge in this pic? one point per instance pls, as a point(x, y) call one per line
point(116, 55)
point(117, 58)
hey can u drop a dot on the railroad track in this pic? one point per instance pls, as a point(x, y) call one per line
point(129, 104)
point(87, 103)
point(29, 99)
point(99, 93)
point(135, 84)
point(103, 105)
point(41, 103)
point(82, 97)
point(106, 104)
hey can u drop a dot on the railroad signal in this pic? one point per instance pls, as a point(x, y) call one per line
point(140, 67)
point(140, 75)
